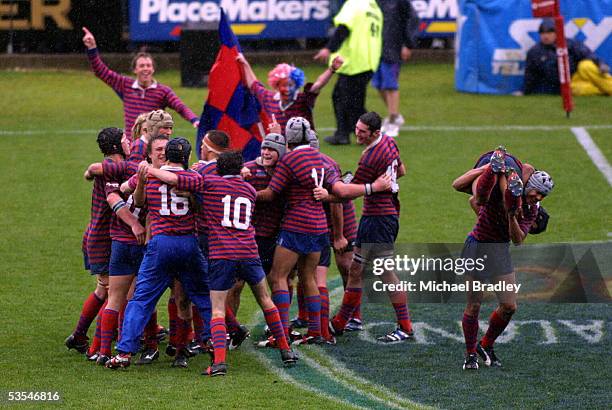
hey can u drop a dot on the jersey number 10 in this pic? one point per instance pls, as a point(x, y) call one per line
point(238, 202)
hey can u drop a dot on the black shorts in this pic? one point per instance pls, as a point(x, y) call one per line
point(492, 259)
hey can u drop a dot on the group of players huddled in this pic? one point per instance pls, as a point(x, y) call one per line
point(205, 231)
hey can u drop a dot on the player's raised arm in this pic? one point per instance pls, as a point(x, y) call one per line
point(88, 39)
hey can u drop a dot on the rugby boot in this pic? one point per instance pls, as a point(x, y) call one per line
point(181, 359)
point(121, 360)
point(354, 325)
point(148, 356)
point(79, 344)
point(289, 357)
point(395, 336)
point(238, 336)
point(102, 359)
point(498, 160)
point(298, 323)
point(215, 369)
point(487, 354)
point(471, 362)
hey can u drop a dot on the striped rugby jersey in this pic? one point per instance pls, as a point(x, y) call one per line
point(293, 175)
point(97, 240)
point(170, 214)
point(138, 151)
point(116, 174)
point(135, 99)
point(349, 230)
point(380, 157)
point(302, 106)
point(492, 222)
point(229, 202)
point(268, 215)
point(203, 168)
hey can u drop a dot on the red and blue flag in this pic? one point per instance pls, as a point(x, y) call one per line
point(230, 106)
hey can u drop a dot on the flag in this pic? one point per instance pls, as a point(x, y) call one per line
point(230, 106)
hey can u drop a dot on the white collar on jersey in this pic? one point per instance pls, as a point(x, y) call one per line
point(282, 107)
point(143, 139)
point(169, 168)
point(207, 162)
point(231, 176)
point(137, 86)
point(302, 147)
point(373, 143)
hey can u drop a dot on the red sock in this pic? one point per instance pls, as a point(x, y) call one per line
point(150, 332)
point(403, 316)
point(183, 328)
point(219, 336)
point(486, 183)
point(109, 326)
point(198, 324)
point(350, 300)
point(95, 344)
point(90, 309)
point(276, 327)
point(324, 312)
point(230, 319)
point(173, 317)
point(357, 312)
point(302, 311)
point(497, 324)
point(470, 332)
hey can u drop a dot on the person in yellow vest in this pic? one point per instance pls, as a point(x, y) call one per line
point(358, 39)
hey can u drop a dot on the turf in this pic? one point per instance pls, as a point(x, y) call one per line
point(48, 127)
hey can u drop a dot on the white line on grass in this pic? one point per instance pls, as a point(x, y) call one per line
point(593, 151)
point(411, 128)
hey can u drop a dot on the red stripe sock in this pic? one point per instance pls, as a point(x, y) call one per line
point(150, 332)
point(110, 319)
point(313, 304)
point(90, 309)
point(403, 316)
point(173, 317)
point(497, 324)
point(470, 332)
point(95, 344)
point(230, 319)
point(486, 183)
point(219, 336)
point(302, 310)
point(198, 324)
point(276, 327)
point(324, 312)
point(350, 300)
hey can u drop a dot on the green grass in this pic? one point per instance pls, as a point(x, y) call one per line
point(45, 208)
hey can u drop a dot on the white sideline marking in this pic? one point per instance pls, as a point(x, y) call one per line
point(410, 128)
point(593, 151)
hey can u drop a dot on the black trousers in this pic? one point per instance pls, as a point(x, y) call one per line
point(349, 97)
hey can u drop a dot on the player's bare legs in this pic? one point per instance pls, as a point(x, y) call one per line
point(307, 267)
point(469, 323)
point(284, 261)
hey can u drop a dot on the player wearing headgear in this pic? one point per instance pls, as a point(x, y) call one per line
point(147, 126)
point(96, 240)
point(228, 202)
point(507, 212)
point(285, 100)
point(379, 224)
point(303, 231)
point(140, 95)
point(172, 251)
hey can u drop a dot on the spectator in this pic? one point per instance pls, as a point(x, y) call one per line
point(358, 39)
point(590, 75)
point(399, 37)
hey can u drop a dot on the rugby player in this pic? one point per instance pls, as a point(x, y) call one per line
point(228, 201)
point(173, 251)
point(379, 224)
point(507, 211)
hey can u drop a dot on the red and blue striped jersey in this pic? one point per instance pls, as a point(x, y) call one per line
point(302, 106)
point(293, 175)
point(203, 168)
point(229, 202)
point(135, 99)
point(171, 214)
point(349, 230)
point(492, 222)
point(138, 151)
point(380, 157)
point(115, 174)
point(97, 240)
point(268, 215)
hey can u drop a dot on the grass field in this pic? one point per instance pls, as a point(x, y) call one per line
point(48, 126)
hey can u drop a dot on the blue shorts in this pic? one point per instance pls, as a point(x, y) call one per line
point(302, 243)
point(387, 76)
point(379, 233)
point(203, 242)
point(495, 258)
point(325, 259)
point(125, 259)
point(95, 268)
point(223, 272)
point(266, 246)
